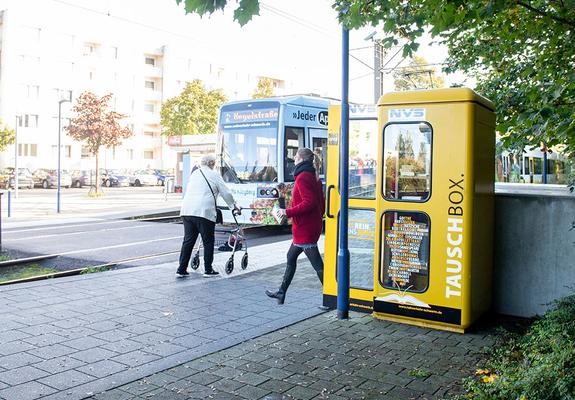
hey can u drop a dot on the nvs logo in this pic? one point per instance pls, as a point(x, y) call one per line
point(406, 114)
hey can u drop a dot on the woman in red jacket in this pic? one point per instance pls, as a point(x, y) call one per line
point(306, 212)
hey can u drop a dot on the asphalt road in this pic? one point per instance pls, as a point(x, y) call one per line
point(94, 243)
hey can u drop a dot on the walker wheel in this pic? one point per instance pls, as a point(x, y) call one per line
point(245, 261)
point(196, 261)
point(230, 265)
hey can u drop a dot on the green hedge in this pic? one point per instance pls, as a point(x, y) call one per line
point(538, 365)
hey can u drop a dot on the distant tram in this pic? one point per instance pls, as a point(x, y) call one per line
point(528, 167)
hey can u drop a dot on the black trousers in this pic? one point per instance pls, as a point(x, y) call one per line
point(294, 252)
point(194, 226)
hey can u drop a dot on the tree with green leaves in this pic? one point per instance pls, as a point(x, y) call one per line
point(417, 75)
point(97, 126)
point(521, 53)
point(7, 136)
point(244, 12)
point(192, 112)
point(264, 89)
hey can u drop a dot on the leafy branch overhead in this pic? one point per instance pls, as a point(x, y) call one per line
point(521, 53)
point(244, 12)
point(192, 112)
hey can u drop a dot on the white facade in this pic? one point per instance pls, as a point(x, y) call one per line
point(58, 51)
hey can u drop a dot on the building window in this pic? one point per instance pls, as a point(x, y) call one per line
point(151, 61)
point(62, 94)
point(150, 85)
point(148, 154)
point(67, 151)
point(85, 152)
point(30, 35)
point(90, 48)
point(114, 51)
point(130, 154)
point(27, 150)
point(149, 133)
point(28, 121)
point(149, 107)
point(31, 92)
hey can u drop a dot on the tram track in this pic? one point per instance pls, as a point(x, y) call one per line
point(65, 261)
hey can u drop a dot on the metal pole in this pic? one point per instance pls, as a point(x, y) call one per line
point(9, 203)
point(343, 251)
point(59, 149)
point(16, 157)
point(376, 71)
point(544, 166)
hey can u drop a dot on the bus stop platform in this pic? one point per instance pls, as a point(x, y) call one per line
point(141, 333)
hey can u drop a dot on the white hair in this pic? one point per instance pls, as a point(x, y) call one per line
point(208, 160)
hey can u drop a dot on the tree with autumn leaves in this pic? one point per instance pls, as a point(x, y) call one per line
point(264, 89)
point(97, 126)
point(7, 136)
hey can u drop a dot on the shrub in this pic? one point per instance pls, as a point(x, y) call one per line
point(539, 365)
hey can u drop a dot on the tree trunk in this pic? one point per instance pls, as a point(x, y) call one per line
point(97, 172)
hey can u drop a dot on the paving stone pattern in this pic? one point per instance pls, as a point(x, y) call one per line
point(324, 358)
point(72, 337)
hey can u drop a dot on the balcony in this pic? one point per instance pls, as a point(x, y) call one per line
point(152, 71)
point(149, 118)
point(150, 94)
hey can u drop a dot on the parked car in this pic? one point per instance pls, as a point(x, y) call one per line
point(48, 178)
point(7, 179)
point(143, 178)
point(114, 177)
point(83, 178)
point(163, 174)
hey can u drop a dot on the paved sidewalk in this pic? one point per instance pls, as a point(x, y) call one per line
point(72, 337)
point(141, 333)
point(323, 358)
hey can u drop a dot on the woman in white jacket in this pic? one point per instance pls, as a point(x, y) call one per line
point(198, 213)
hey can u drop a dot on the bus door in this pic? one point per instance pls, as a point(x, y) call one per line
point(317, 139)
point(363, 184)
point(293, 140)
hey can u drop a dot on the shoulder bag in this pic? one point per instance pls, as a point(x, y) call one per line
point(219, 215)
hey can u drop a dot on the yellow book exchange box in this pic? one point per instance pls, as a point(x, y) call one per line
point(421, 182)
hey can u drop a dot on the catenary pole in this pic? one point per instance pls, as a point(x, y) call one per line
point(343, 250)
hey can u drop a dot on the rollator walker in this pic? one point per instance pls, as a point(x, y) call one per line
point(236, 241)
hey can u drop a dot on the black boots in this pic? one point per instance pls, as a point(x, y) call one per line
point(281, 293)
point(277, 295)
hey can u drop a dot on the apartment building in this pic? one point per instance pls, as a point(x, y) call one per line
point(56, 54)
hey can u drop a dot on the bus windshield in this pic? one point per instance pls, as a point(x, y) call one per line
point(249, 135)
point(250, 155)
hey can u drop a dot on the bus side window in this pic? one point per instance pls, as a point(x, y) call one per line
point(293, 141)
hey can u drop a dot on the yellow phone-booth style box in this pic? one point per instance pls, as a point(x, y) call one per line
point(421, 205)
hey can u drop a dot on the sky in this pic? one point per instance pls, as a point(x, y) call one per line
point(296, 39)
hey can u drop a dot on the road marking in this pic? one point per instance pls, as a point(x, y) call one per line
point(77, 233)
point(66, 226)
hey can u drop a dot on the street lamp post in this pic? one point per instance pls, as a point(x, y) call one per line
point(59, 147)
point(18, 119)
